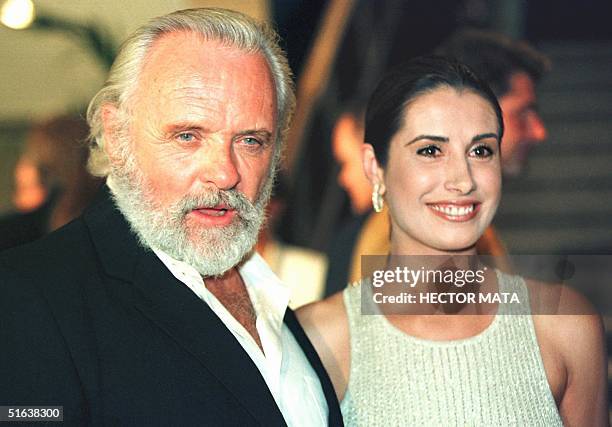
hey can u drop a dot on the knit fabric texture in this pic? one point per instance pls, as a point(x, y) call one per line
point(495, 378)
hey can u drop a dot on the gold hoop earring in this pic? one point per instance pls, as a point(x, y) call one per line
point(377, 199)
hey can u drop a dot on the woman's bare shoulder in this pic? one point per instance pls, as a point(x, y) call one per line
point(326, 325)
point(571, 331)
point(564, 315)
point(326, 318)
point(556, 298)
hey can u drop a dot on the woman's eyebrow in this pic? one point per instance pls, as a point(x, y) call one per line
point(485, 136)
point(428, 137)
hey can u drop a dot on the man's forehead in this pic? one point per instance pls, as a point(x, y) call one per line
point(189, 56)
point(184, 65)
point(180, 43)
point(190, 80)
point(520, 84)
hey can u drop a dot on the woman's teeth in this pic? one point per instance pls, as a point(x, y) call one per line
point(452, 210)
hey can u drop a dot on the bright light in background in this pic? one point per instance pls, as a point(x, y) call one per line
point(17, 14)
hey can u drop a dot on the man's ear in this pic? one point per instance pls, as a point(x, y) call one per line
point(111, 125)
point(375, 174)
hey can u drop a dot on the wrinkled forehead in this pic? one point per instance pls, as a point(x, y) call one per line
point(187, 62)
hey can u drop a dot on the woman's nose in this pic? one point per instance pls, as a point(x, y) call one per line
point(459, 177)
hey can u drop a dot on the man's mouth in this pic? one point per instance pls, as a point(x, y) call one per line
point(215, 216)
point(213, 211)
point(457, 212)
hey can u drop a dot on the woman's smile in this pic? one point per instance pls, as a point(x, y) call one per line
point(460, 211)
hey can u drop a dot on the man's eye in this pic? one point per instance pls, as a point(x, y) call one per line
point(429, 151)
point(186, 137)
point(249, 140)
point(482, 151)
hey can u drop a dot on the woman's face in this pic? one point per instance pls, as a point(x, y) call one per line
point(443, 176)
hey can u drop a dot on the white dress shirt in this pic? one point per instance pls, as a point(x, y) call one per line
point(284, 367)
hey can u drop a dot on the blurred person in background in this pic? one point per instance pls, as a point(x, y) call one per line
point(347, 140)
point(301, 269)
point(512, 69)
point(347, 143)
point(51, 182)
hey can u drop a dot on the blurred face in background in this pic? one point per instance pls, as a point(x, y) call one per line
point(29, 192)
point(51, 170)
point(524, 127)
point(347, 143)
point(34, 167)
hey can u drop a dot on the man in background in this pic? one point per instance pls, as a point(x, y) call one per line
point(301, 269)
point(512, 69)
point(51, 185)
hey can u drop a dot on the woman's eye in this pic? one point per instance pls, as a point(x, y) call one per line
point(429, 151)
point(482, 151)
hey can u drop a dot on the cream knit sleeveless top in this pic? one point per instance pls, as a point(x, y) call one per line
point(495, 378)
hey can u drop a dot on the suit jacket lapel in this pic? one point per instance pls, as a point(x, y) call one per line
point(179, 312)
point(335, 416)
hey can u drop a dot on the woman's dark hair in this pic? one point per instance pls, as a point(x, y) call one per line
point(403, 84)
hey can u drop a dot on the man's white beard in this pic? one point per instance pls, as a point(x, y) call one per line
point(210, 250)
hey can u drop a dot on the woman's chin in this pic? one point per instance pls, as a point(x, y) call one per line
point(458, 247)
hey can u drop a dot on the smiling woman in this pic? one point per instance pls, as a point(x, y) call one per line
point(432, 153)
point(442, 174)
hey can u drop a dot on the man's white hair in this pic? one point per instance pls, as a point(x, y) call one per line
point(228, 27)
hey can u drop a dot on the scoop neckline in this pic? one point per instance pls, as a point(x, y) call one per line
point(453, 342)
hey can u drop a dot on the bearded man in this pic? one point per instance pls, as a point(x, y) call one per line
point(152, 309)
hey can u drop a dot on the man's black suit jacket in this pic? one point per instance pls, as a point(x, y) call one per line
point(92, 322)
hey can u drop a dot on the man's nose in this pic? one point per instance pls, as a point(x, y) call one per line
point(537, 129)
point(218, 165)
point(459, 178)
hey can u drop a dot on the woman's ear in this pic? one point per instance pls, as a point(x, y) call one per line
point(375, 174)
point(111, 125)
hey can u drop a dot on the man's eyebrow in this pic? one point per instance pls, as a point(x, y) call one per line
point(173, 127)
point(176, 126)
point(437, 138)
point(485, 136)
point(263, 133)
point(428, 137)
